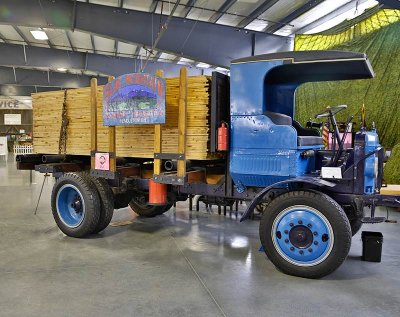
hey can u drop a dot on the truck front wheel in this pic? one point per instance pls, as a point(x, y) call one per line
point(305, 234)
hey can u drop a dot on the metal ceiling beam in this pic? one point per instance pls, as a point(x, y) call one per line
point(12, 55)
point(29, 77)
point(157, 56)
point(19, 90)
point(256, 13)
point(92, 42)
point(22, 35)
point(188, 7)
point(3, 38)
point(69, 40)
point(137, 51)
point(202, 41)
point(115, 48)
point(121, 5)
point(224, 7)
point(50, 43)
point(153, 6)
point(294, 15)
point(344, 8)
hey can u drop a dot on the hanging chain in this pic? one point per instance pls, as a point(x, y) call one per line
point(62, 143)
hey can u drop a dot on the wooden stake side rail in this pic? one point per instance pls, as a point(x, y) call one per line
point(112, 148)
point(182, 121)
point(93, 120)
point(179, 154)
point(158, 138)
point(130, 141)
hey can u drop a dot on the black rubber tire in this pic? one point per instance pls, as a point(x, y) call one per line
point(92, 204)
point(106, 200)
point(332, 212)
point(106, 203)
point(147, 211)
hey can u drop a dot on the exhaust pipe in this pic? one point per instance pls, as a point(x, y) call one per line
point(53, 158)
point(172, 165)
point(29, 158)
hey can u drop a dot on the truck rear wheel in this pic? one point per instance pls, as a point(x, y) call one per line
point(106, 203)
point(75, 204)
point(139, 205)
point(305, 234)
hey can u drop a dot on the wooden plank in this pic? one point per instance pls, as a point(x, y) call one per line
point(390, 190)
point(158, 138)
point(93, 119)
point(183, 87)
point(131, 141)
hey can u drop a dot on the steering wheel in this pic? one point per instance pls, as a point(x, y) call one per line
point(330, 111)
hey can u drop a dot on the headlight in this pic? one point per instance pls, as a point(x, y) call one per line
point(376, 169)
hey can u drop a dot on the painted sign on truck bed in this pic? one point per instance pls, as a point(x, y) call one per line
point(134, 99)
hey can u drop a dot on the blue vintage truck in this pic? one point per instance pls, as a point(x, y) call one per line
point(314, 197)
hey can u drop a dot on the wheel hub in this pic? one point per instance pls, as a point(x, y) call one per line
point(70, 205)
point(302, 235)
point(77, 204)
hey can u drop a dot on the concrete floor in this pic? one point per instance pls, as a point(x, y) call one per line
point(178, 264)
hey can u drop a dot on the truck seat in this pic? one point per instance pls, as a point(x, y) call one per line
point(279, 118)
point(305, 137)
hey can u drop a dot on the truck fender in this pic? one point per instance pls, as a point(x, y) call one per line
point(300, 180)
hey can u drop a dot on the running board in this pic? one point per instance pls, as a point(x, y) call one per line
point(373, 220)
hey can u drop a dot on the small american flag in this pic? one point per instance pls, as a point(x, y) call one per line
point(325, 136)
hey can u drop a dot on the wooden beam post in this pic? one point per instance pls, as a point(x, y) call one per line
point(112, 142)
point(158, 138)
point(93, 120)
point(182, 118)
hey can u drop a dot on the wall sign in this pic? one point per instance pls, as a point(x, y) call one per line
point(15, 103)
point(134, 99)
point(12, 119)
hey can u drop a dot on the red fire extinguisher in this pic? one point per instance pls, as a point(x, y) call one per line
point(223, 137)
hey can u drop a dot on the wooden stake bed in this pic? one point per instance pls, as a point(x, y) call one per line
point(131, 141)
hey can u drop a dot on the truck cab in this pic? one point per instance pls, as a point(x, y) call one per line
point(267, 143)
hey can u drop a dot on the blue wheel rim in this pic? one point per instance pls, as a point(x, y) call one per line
point(70, 206)
point(302, 235)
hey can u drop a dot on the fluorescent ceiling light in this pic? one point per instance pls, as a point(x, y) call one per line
point(39, 35)
point(221, 69)
point(185, 61)
point(348, 15)
point(62, 69)
point(203, 65)
point(257, 25)
point(166, 56)
point(324, 8)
